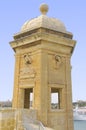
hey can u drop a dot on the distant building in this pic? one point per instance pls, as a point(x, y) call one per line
point(5, 104)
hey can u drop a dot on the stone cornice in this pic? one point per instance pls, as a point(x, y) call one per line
point(33, 39)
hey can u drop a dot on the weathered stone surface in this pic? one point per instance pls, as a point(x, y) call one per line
point(7, 119)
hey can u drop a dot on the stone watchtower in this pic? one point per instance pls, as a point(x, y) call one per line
point(42, 81)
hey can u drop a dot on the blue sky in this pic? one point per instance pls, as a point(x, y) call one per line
point(13, 14)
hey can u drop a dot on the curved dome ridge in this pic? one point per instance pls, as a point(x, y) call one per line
point(43, 21)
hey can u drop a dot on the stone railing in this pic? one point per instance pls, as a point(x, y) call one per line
point(26, 120)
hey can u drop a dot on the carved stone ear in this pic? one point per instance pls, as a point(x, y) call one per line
point(58, 58)
point(58, 61)
point(27, 59)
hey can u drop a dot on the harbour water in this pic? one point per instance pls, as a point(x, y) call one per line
point(80, 125)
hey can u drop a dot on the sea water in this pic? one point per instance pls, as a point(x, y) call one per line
point(79, 125)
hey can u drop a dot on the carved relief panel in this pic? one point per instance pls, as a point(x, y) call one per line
point(27, 72)
point(56, 66)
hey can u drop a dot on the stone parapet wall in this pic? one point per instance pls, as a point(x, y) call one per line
point(16, 119)
point(7, 119)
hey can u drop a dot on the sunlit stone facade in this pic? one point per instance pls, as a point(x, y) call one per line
point(43, 50)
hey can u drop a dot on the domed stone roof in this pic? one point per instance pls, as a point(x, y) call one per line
point(44, 22)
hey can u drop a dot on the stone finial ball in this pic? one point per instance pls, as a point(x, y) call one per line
point(44, 8)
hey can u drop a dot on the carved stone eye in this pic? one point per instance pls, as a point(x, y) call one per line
point(27, 59)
